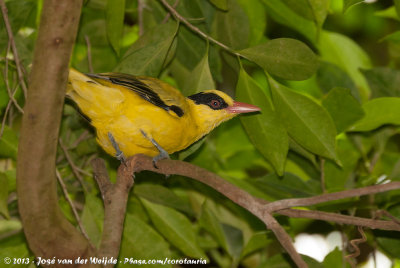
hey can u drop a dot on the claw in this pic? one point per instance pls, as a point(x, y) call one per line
point(162, 155)
point(118, 153)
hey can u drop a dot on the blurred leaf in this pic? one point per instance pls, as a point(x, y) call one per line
point(282, 13)
point(191, 48)
point(306, 122)
point(344, 109)
point(315, 10)
point(320, 10)
point(175, 227)
point(234, 238)
point(389, 13)
point(17, 251)
point(115, 11)
point(210, 222)
point(383, 81)
point(9, 143)
point(284, 57)
point(389, 242)
point(221, 4)
point(330, 76)
point(345, 53)
point(349, 3)
point(191, 149)
point(4, 196)
point(393, 37)
point(232, 27)
point(141, 242)
point(200, 78)
point(92, 218)
point(163, 196)
point(264, 129)
point(379, 112)
point(333, 259)
point(148, 54)
point(257, 242)
point(397, 6)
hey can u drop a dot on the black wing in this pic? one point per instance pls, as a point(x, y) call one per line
point(133, 83)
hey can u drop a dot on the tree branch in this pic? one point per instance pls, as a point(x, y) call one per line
point(48, 232)
point(259, 207)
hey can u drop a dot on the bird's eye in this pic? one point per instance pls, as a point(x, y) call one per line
point(215, 104)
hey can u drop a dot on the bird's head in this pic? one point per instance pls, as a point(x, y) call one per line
point(212, 107)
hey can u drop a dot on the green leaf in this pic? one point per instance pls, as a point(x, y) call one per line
point(141, 242)
point(115, 11)
point(92, 218)
point(344, 109)
point(209, 221)
point(190, 49)
point(346, 54)
point(200, 78)
point(315, 10)
point(221, 4)
point(283, 14)
point(307, 123)
point(330, 76)
point(148, 54)
point(9, 143)
point(393, 37)
point(256, 14)
point(163, 196)
point(191, 149)
point(379, 112)
point(389, 13)
point(389, 243)
point(175, 227)
point(397, 6)
point(232, 27)
point(257, 241)
point(383, 81)
point(349, 3)
point(234, 238)
point(4, 196)
point(264, 129)
point(284, 57)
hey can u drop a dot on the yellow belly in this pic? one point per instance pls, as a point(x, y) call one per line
point(172, 133)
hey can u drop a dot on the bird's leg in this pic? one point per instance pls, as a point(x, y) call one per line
point(162, 155)
point(118, 153)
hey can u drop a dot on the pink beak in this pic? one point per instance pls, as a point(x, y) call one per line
point(240, 108)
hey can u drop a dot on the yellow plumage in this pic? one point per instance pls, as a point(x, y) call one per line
point(126, 106)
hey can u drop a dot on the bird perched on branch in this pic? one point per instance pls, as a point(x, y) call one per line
point(137, 114)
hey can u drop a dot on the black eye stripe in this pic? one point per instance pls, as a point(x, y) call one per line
point(207, 98)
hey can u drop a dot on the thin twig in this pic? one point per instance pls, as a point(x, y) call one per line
point(14, 47)
point(72, 164)
point(197, 30)
point(309, 201)
point(169, 14)
point(140, 16)
point(71, 204)
point(89, 53)
point(10, 94)
point(85, 135)
point(354, 243)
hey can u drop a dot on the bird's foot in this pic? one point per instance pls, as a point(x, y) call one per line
point(118, 153)
point(162, 155)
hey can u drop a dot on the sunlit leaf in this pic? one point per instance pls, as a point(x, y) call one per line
point(264, 129)
point(344, 109)
point(175, 227)
point(284, 57)
point(141, 242)
point(348, 55)
point(379, 112)
point(115, 11)
point(307, 123)
point(148, 54)
point(283, 14)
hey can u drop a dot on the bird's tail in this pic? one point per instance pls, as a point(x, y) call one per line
point(92, 98)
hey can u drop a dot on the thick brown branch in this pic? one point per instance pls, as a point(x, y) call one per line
point(48, 232)
point(115, 197)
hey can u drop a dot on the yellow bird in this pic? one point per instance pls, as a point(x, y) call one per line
point(138, 114)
